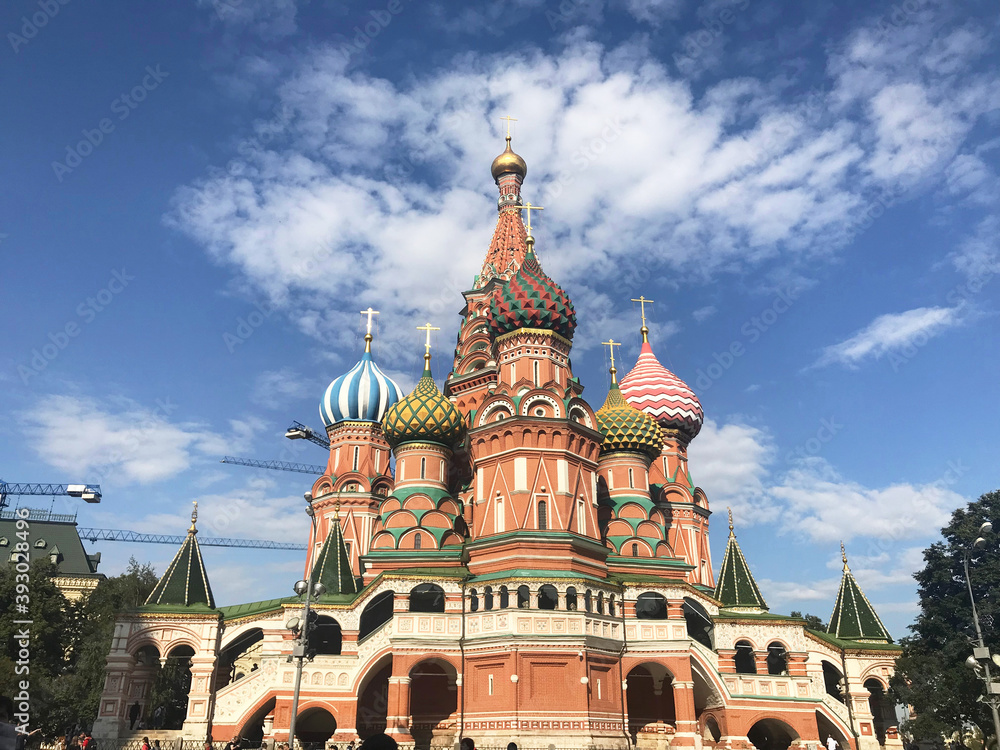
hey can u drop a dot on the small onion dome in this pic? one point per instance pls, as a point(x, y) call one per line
point(530, 299)
point(625, 428)
point(425, 415)
point(508, 163)
point(364, 393)
point(653, 388)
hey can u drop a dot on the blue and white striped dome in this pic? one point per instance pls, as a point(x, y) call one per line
point(364, 394)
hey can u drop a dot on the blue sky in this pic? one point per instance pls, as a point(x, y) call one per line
point(199, 199)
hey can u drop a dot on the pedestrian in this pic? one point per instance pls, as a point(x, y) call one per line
point(468, 743)
point(145, 744)
point(156, 745)
point(511, 746)
point(133, 715)
point(831, 743)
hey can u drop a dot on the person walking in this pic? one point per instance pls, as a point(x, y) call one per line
point(831, 743)
point(145, 744)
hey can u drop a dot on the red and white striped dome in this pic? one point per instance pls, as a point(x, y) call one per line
point(655, 390)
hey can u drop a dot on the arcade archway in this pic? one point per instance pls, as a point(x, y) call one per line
point(373, 700)
point(433, 703)
point(649, 696)
point(772, 734)
point(315, 725)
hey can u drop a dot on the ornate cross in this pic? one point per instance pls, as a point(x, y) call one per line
point(642, 307)
point(611, 344)
point(428, 328)
point(369, 312)
point(529, 208)
point(509, 120)
point(730, 512)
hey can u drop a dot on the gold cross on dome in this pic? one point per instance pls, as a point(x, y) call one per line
point(509, 120)
point(642, 306)
point(428, 328)
point(611, 344)
point(369, 312)
point(529, 208)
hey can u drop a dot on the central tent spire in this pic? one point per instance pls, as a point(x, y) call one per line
point(510, 240)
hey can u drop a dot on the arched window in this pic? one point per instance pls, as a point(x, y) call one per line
point(833, 680)
point(375, 614)
point(588, 601)
point(357, 457)
point(600, 602)
point(777, 659)
point(581, 516)
point(534, 369)
point(746, 662)
point(523, 597)
point(571, 598)
point(488, 598)
point(635, 549)
point(548, 597)
point(699, 624)
point(631, 479)
point(504, 597)
point(500, 523)
point(651, 606)
point(473, 600)
point(326, 636)
point(543, 521)
point(417, 540)
point(427, 597)
point(423, 468)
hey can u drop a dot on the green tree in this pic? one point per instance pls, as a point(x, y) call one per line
point(814, 622)
point(931, 675)
point(69, 641)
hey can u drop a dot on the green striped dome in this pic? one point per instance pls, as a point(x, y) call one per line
point(425, 415)
point(625, 428)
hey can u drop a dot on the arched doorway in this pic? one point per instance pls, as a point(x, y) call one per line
point(168, 698)
point(433, 703)
point(315, 726)
point(699, 624)
point(253, 728)
point(827, 728)
point(771, 734)
point(649, 695)
point(239, 657)
point(833, 681)
point(375, 614)
point(139, 715)
point(373, 700)
point(881, 706)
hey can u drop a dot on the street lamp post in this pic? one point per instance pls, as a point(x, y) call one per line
point(981, 659)
point(299, 650)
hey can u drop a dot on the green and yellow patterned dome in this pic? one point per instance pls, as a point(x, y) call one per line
point(425, 415)
point(625, 428)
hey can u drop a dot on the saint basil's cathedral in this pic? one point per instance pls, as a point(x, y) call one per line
point(529, 569)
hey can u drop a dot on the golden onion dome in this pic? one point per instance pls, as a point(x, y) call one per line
point(508, 163)
point(424, 416)
point(626, 428)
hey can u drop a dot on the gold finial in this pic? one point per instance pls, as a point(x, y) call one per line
point(611, 344)
point(529, 208)
point(194, 518)
point(509, 120)
point(336, 510)
point(368, 331)
point(427, 345)
point(642, 307)
point(730, 521)
point(843, 556)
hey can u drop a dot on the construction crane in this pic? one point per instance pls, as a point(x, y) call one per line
point(314, 469)
point(90, 493)
point(299, 431)
point(121, 535)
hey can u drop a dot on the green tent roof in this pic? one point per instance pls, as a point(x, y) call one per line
point(333, 566)
point(854, 618)
point(737, 590)
point(185, 584)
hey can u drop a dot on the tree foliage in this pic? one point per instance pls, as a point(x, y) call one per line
point(931, 675)
point(69, 642)
point(814, 622)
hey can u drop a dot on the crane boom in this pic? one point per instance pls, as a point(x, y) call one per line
point(121, 535)
point(314, 469)
point(299, 431)
point(91, 493)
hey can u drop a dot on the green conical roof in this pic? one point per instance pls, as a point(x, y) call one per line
point(737, 590)
point(333, 566)
point(854, 618)
point(185, 584)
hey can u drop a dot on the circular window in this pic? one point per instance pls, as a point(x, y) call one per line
point(539, 412)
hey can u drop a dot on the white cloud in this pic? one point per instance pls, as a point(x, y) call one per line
point(275, 388)
point(730, 462)
point(270, 19)
point(122, 440)
point(704, 313)
point(892, 332)
point(824, 507)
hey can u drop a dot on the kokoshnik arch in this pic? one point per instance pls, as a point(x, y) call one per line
point(533, 570)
